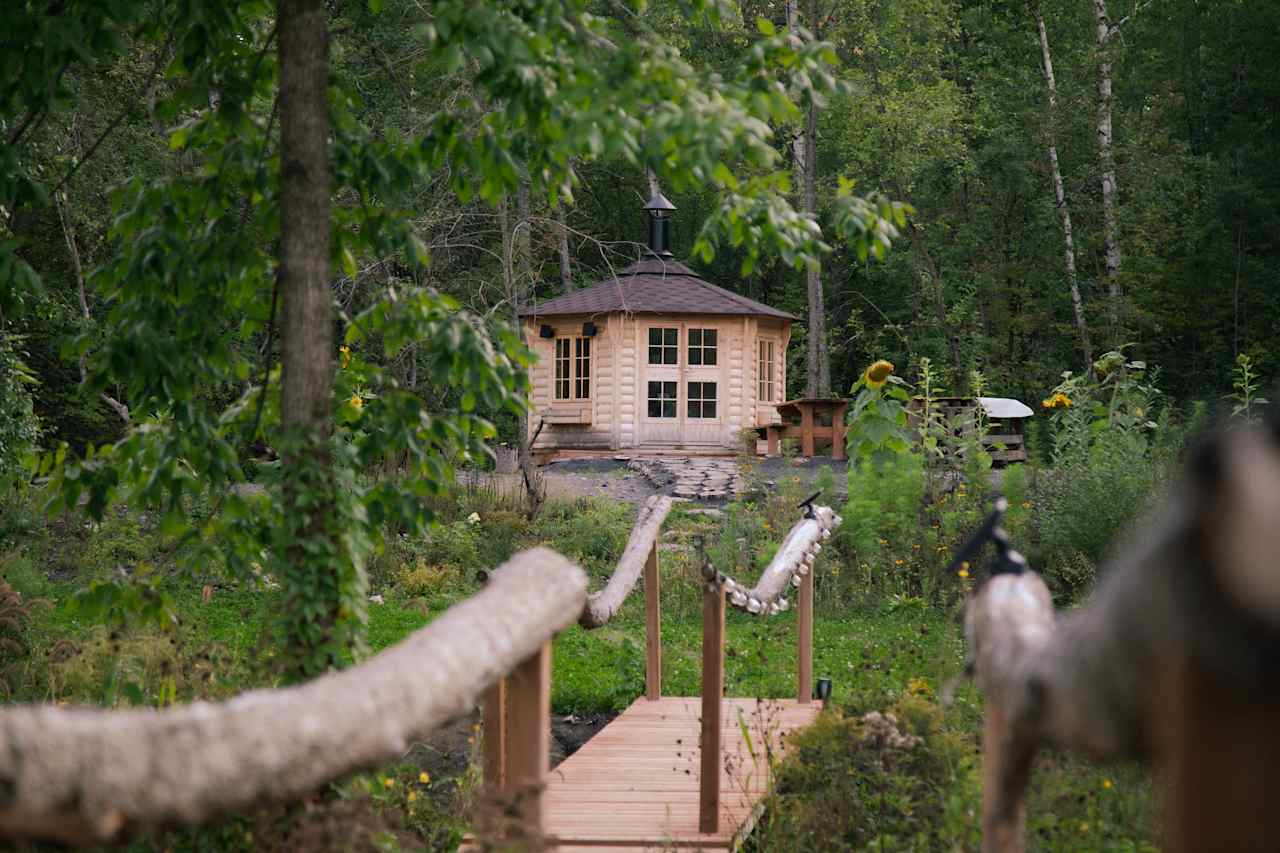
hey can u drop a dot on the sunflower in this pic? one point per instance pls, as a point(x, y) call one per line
point(878, 374)
point(1057, 401)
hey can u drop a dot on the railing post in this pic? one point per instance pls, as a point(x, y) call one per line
point(804, 629)
point(712, 697)
point(529, 738)
point(652, 627)
point(495, 735)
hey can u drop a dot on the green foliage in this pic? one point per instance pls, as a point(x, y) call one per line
point(877, 431)
point(19, 425)
point(1244, 395)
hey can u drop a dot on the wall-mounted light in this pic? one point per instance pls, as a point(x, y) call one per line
point(822, 690)
point(588, 330)
point(546, 332)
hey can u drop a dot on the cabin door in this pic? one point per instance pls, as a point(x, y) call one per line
point(682, 392)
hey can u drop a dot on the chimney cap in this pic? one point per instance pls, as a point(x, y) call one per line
point(659, 204)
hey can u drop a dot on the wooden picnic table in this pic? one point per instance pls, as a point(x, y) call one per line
point(806, 419)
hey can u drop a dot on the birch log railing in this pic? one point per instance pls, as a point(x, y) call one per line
point(85, 776)
point(1176, 660)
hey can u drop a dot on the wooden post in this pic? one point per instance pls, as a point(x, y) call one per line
point(1000, 833)
point(529, 738)
point(771, 433)
point(652, 627)
point(495, 735)
point(712, 715)
point(804, 629)
point(837, 431)
point(806, 429)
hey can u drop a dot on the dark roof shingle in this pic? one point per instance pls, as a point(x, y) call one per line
point(653, 285)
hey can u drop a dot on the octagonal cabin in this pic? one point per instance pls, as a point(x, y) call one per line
point(654, 358)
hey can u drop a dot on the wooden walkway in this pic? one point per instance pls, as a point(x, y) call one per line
point(634, 786)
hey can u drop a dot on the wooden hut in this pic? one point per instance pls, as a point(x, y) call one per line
point(654, 358)
point(1006, 419)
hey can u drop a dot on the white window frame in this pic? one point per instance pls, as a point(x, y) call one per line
point(576, 376)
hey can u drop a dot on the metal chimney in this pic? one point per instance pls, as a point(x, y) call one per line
point(659, 209)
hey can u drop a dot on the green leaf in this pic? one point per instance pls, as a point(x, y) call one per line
point(766, 27)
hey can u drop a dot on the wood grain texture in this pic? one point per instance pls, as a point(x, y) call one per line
point(635, 785)
point(712, 702)
point(652, 625)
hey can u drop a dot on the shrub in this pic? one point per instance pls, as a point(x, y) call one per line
point(423, 579)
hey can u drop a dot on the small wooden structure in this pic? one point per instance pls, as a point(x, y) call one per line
point(811, 420)
point(1006, 420)
point(653, 358)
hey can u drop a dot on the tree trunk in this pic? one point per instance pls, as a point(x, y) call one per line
point(1059, 194)
point(562, 241)
point(818, 375)
point(306, 328)
point(517, 268)
point(1106, 160)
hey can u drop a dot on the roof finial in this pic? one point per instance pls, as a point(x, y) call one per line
point(659, 208)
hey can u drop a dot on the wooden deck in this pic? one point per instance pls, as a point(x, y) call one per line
point(634, 786)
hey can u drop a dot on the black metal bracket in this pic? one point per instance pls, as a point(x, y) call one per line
point(1007, 561)
point(807, 505)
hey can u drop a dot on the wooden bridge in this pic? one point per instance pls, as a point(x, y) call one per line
point(669, 772)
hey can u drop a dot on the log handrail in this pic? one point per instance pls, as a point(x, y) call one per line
point(82, 776)
point(601, 606)
point(1173, 660)
point(792, 562)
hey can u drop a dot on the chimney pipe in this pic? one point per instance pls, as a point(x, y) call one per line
point(659, 209)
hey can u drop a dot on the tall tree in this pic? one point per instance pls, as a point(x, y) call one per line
point(1059, 192)
point(306, 328)
point(1107, 164)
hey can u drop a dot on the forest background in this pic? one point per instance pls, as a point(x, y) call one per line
point(943, 105)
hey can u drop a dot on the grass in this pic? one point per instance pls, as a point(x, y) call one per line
point(841, 789)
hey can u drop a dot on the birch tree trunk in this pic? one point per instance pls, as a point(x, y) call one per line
point(1059, 193)
point(1106, 160)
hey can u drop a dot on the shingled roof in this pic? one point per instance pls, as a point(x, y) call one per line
point(653, 285)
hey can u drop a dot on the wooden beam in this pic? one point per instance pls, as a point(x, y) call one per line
point(652, 627)
point(804, 629)
point(712, 697)
point(643, 540)
point(495, 735)
point(806, 423)
point(529, 738)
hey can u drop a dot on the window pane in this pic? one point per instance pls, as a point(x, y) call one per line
point(695, 337)
point(655, 408)
point(655, 355)
point(708, 390)
point(669, 408)
point(708, 356)
point(709, 337)
point(669, 390)
point(709, 409)
point(695, 356)
point(670, 337)
point(655, 337)
point(695, 409)
point(655, 390)
point(671, 356)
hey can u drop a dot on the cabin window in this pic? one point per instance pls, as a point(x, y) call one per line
point(573, 368)
point(702, 347)
point(702, 399)
point(662, 399)
point(664, 346)
point(764, 373)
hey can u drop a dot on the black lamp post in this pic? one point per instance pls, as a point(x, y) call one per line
point(659, 209)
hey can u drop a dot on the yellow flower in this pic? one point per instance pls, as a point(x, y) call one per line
point(919, 687)
point(424, 777)
point(878, 373)
point(899, 562)
point(964, 573)
point(915, 547)
point(1026, 504)
point(346, 356)
point(883, 541)
point(413, 795)
point(1057, 401)
point(1106, 785)
point(388, 783)
point(356, 401)
point(1084, 827)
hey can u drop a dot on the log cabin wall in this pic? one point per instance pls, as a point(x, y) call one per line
point(612, 414)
